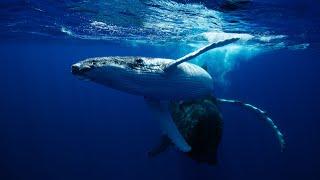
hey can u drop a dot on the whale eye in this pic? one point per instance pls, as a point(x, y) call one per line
point(137, 64)
point(139, 61)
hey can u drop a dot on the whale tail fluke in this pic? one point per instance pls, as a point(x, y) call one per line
point(261, 113)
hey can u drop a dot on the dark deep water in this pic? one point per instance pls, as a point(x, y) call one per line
point(54, 126)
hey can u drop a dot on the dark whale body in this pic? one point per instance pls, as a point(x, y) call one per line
point(200, 122)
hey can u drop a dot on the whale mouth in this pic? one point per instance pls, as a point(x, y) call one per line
point(78, 69)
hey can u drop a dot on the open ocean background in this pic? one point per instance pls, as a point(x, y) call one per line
point(55, 127)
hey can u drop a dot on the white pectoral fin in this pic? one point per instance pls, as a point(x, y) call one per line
point(198, 52)
point(162, 114)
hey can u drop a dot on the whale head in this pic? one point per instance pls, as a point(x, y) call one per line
point(88, 68)
point(116, 72)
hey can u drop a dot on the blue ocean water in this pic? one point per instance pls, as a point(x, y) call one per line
point(54, 126)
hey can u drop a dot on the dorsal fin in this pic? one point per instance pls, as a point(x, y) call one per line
point(198, 52)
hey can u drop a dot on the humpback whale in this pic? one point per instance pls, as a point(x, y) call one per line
point(160, 81)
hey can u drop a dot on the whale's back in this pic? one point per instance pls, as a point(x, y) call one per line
point(188, 81)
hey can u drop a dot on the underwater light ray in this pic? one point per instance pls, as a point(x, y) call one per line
point(156, 23)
